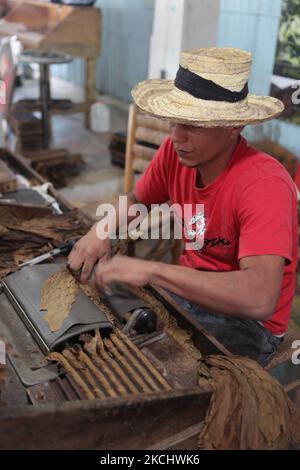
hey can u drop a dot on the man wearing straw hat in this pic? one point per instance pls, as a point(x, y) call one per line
point(240, 282)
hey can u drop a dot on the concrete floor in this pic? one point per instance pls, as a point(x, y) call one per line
point(100, 180)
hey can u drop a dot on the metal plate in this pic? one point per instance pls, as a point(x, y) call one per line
point(25, 196)
point(24, 291)
point(23, 353)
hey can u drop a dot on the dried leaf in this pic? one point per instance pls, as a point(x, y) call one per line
point(249, 408)
point(57, 297)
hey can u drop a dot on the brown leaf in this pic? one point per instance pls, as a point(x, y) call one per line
point(57, 297)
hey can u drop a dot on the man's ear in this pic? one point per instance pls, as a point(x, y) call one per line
point(240, 129)
point(235, 131)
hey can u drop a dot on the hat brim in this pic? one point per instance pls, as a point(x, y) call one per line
point(161, 99)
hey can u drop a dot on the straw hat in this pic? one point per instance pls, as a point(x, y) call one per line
point(210, 89)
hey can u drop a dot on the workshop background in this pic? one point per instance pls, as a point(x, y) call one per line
point(135, 47)
point(137, 39)
point(250, 25)
point(127, 366)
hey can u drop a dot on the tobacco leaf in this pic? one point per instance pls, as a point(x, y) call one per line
point(25, 235)
point(249, 409)
point(57, 297)
point(24, 253)
point(3, 230)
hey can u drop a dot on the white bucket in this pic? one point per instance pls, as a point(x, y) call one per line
point(99, 117)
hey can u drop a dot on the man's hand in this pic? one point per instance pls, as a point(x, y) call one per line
point(131, 271)
point(87, 251)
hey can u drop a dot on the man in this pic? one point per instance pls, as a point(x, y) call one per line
point(240, 282)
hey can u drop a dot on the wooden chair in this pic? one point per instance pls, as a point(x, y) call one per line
point(144, 135)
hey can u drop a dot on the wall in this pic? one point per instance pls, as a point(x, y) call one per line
point(253, 25)
point(127, 28)
point(126, 31)
point(180, 25)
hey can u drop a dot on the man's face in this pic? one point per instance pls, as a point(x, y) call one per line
point(197, 146)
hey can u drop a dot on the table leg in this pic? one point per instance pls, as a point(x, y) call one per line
point(45, 100)
point(90, 87)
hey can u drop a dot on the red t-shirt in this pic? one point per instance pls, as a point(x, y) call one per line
point(250, 209)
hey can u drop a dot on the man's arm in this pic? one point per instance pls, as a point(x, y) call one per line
point(90, 248)
point(251, 292)
point(151, 188)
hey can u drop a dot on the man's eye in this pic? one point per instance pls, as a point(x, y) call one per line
point(195, 129)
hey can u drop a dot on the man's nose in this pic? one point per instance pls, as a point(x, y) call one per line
point(178, 134)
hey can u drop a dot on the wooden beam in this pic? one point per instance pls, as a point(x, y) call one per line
point(123, 423)
point(129, 155)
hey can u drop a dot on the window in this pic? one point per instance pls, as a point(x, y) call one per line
point(285, 83)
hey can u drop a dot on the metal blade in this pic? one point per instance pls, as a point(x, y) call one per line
point(39, 259)
point(63, 249)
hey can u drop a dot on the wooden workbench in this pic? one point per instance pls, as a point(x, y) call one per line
point(163, 420)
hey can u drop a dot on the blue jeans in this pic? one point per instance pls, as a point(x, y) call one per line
point(241, 336)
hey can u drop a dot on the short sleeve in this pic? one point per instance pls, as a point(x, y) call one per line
point(152, 187)
point(266, 215)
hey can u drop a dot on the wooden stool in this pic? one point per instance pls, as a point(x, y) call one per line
point(44, 59)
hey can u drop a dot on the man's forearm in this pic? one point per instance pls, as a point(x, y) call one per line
point(233, 293)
